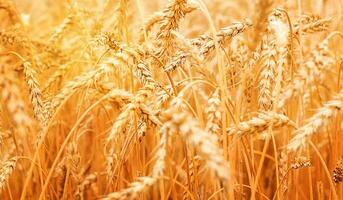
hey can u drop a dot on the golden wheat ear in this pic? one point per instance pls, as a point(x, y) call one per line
point(7, 167)
point(320, 119)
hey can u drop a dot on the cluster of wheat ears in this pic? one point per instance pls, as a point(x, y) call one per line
point(178, 99)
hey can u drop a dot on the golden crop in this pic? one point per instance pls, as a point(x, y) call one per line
point(178, 99)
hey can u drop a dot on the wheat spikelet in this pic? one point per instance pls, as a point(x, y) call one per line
point(126, 115)
point(305, 19)
point(87, 78)
point(311, 24)
point(121, 121)
point(177, 61)
point(13, 38)
point(207, 147)
point(283, 168)
point(274, 45)
point(338, 172)
point(267, 78)
point(160, 165)
point(213, 113)
point(118, 95)
point(40, 112)
point(158, 17)
point(193, 170)
point(204, 142)
point(322, 60)
point(280, 74)
point(72, 161)
point(260, 123)
point(61, 173)
point(144, 74)
point(142, 127)
point(7, 167)
point(163, 95)
point(56, 77)
point(301, 162)
point(175, 10)
point(149, 24)
point(239, 59)
point(108, 39)
point(61, 29)
point(318, 120)
point(281, 31)
point(312, 70)
point(151, 113)
point(223, 35)
point(248, 78)
point(85, 184)
point(134, 189)
point(123, 97)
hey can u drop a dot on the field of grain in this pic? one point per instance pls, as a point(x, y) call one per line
point(171, 99)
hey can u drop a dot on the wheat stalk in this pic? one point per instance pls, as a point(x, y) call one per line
point(204, 142)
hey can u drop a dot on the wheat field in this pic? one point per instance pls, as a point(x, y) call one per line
point(171, 99)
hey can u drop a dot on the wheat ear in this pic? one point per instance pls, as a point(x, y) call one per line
point(260, 124)
point(318, 120)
